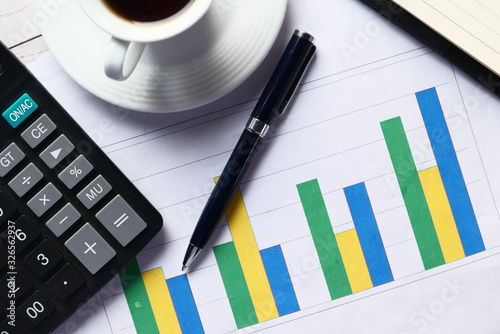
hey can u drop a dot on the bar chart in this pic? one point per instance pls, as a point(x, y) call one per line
point(436, 200)
point(358, 203)
point(257, 282)
point(158, 305)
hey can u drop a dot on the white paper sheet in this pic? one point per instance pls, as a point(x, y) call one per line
point(365, 71)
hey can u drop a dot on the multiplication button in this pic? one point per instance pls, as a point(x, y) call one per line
point(90, 248)
point(45, 199)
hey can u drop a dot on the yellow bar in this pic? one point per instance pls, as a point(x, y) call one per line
point(441, 213)
point(354, 261)
point(251, 262)
point(161, 302)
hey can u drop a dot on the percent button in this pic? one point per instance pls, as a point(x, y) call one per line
point(75, 171)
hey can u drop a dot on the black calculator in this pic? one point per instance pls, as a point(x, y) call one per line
point(70, 220)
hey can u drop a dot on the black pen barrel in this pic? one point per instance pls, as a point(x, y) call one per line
point(226, 186)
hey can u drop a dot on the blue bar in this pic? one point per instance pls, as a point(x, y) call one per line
point(279, 279)
point(368, 234)
point(184, 305)
point(451, 173)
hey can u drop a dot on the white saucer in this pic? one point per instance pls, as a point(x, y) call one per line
point(222, 51)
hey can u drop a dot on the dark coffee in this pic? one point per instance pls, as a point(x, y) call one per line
point(146, 10)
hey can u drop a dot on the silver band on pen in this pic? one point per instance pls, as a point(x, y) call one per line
point(257, 126)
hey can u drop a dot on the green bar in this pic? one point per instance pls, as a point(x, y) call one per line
point(235, 285)
point(137, 299)
point(413, 194)
point(324, 239)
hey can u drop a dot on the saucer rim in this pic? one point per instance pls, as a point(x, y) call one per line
point(66, 53)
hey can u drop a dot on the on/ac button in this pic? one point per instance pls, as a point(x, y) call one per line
point(20, 110)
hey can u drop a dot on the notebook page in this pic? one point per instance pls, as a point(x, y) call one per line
point(472, 25)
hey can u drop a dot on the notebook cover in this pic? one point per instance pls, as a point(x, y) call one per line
point(437, 42)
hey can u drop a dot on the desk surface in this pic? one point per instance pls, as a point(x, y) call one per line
point(19, 31)
point(330, 94)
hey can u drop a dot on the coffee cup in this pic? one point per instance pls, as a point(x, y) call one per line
point(133, 24)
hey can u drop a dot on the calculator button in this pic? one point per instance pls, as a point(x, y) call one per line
point(65, 282)
point(9, 158)
point(38, 131)
point(121, 220)
point(14, 286)
point(43, 258)
point(75, 171)
point(94, 192)
point(24, 232)
point(20, 110)
point(45, 199)
point(57, 151)
point(90, 248)
point(7, 208)
point(63, 220)
point(26, 180)
point(36, 308)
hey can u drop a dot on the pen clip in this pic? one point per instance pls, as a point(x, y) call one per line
point(300, 70)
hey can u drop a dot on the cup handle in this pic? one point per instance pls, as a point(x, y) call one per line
point(122, 58)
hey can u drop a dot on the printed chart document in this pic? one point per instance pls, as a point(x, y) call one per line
point(372, 206)
point(472, 25)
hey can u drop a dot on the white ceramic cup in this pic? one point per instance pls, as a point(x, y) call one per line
point(129, 38)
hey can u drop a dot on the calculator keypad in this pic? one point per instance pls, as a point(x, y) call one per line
point(69, 219)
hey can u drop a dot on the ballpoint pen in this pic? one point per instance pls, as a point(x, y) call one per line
point(273, 101)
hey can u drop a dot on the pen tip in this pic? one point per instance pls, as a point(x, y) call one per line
point(184, 268)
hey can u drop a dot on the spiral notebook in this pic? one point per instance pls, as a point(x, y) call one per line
point(466, 32)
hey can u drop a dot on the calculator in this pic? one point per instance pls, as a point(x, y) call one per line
point(70, 220)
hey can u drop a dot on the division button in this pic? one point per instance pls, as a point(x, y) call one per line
point(75, 172)
point(57, 151)
point(45, 199)
point(90, 248)
point(63, 220)
point(121, 220)
point(94, 192)
point(26, 180)
point(38, 131)
point(9, 158)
